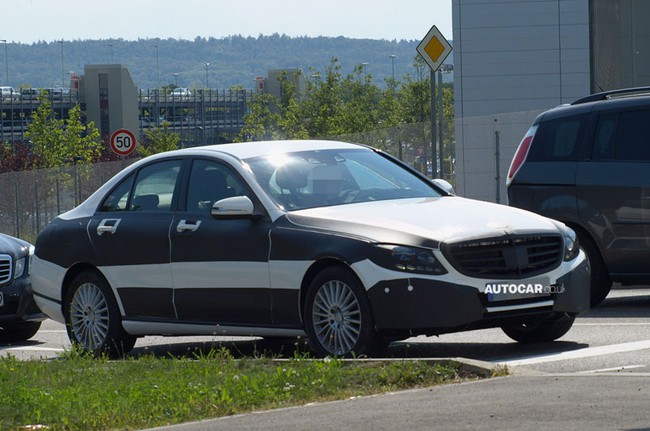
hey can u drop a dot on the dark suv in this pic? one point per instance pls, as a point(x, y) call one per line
point(587, 164)
point(20, 318)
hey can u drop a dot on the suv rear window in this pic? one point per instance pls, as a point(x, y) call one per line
point(558, 140)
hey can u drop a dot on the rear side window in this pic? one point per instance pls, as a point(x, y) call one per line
point(622, 136)
point(152, 189)
point(558, 140)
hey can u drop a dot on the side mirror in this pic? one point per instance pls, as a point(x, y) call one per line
point(444, 185)
point(234, 207)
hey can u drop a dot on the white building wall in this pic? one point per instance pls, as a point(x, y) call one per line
point(512, 60)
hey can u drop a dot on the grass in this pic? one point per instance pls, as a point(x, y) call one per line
point(79, 392)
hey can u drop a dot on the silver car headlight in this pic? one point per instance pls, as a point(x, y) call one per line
point(19, 267)
point(571, 246)
point(24, 264)
point(407, 259)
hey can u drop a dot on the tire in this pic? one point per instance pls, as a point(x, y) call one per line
point(540, 330)
point(19, 331)
point(338, 317)
point(93, 319)
point(599, 281)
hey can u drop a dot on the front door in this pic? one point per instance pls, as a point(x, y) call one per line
point(219, 267)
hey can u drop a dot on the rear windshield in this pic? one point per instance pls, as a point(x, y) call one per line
point(558, 139)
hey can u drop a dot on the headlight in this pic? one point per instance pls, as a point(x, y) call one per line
point(24, 264)
point(571, 247)
point(407, 259)
point(19, 268)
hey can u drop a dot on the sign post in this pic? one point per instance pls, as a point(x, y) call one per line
point(123, 142)
point(434, 49)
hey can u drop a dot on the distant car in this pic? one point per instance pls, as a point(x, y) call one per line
point(56, 93)
point(30, 93)
point(181, 93)
point(9, 93)
point(20, 318)
point(339, 242)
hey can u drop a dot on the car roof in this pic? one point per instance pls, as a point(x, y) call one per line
point(613, 100)
point(246, 150)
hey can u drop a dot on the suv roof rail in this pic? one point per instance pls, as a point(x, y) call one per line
point(635, 91)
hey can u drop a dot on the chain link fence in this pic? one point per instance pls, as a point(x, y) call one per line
point(30, 199)
point(485, 146)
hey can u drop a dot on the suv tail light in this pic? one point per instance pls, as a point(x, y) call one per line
point(520, 154)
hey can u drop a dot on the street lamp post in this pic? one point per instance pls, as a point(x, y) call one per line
point(157, 69)
point(392, 61)
point(62, 68)
point(207, 83)
point(6, 60)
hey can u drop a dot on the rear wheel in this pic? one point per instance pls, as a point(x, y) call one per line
point(540, 330)
point(338, 317)
point(18, 331)
point(93, 319)
point(599, 280)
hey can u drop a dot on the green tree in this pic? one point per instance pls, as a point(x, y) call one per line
point(335, 105)
point(59, 142)
point(260, 122)
point(158, 140)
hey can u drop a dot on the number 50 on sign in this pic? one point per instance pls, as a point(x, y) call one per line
point(123, 142)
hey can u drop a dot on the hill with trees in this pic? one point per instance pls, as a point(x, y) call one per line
point(234, 61)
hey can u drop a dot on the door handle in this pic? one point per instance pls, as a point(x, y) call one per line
point(108, 226)
point(185, 226)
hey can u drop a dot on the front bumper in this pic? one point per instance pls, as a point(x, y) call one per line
point(18, 303)
point(426, 306)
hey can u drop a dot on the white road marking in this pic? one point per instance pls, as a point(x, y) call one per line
point(614, 324)
point(576, 354)
point(33, 348)
point(607, 370)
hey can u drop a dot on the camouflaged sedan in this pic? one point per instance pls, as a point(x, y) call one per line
point(337, 242)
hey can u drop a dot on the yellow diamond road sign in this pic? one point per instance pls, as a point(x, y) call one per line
point(434, 48)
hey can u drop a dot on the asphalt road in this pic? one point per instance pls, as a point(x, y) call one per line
point(595, 377)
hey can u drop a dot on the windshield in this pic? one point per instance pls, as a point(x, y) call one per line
point(310, 179)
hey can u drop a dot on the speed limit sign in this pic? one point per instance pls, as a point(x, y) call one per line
point(123, 142)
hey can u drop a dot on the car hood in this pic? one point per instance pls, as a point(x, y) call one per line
point(15, 247)
point(444, 219)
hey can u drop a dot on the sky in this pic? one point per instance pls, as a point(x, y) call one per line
point(53, 20)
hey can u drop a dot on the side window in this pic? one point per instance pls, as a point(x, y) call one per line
point(632, 136)
point(119, 197)
point(604, 137)
point(558, 140)
point(154, 186)
point(210, 182)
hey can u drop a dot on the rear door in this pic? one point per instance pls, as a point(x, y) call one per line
point(130, 237)
point(614, 189)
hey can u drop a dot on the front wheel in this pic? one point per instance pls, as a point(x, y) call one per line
point(93, 319)
point(338, 317)
point(540, 330)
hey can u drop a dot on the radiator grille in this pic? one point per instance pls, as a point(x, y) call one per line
point(5, 268)
point(509, 258)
